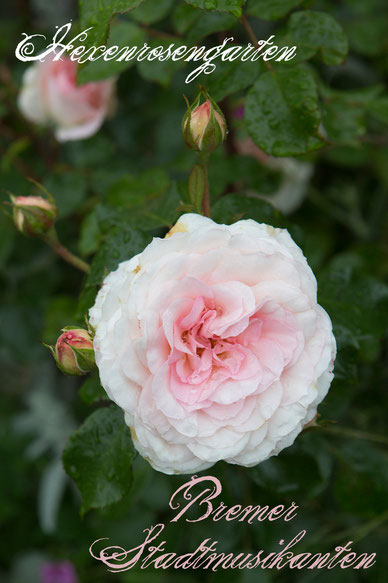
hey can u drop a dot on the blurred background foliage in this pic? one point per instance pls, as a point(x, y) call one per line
point(307, 149)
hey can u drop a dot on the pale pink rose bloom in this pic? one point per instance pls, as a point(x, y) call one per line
point(212, 342)
point(50, 96)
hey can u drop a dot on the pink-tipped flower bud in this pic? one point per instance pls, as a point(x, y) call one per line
point(33, 215)
point(203, 126)
point(73, 351)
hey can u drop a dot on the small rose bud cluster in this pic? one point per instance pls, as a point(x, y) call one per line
point(33, 216)
point(73, 351)
point(203, 125)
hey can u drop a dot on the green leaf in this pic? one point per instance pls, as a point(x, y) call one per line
point(232, 6)
point(344, 124)
point(184, 17)
point(98, 14)
point(282, 112)
point(346, 366)
point(209, 23)
point(148, 200)
point(367, 33)
point(98, 458)
point(60, 311)
point(150, 11)
point(143, 203)
point(121, 242)
point(154, 212)
point(15, 149)
point(163, 211)
point(271, 9)
point(303, 469)
point(343, 113)
point(122, 34)
point(68, 189)
point(138, 190)
point(7, 235)
point(318, 31)
point(234, 207)
point(90, 237)
point(378, 108)
point(95, 152)
point(230, 77)
point(160, 71)
point(91, 390)
point(357, 304)
point(362, 476)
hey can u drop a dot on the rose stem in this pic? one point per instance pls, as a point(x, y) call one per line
point(52, 240)
point(203, 160)
point(246, 24)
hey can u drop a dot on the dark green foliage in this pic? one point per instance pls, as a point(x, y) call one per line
point(91, 390)
point(282, 112)
point(232, 6)
point(328, 108)
point(318, 31)
point(271, 9)
point(98, 15)
point(98, 457)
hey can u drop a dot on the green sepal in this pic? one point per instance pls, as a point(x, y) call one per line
point(90, 328)
point(212, 137)
point(61, 368)
point(186, 131)
point(48, 194)
point(37, 221)
point(85, 358)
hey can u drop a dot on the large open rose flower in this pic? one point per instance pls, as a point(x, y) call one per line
point(50, 96)
point(212, 342)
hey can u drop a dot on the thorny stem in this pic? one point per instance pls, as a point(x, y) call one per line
point(52, 240)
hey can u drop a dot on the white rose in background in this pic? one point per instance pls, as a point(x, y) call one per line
point(296, 176)
point(212, 342)
point(51, 96)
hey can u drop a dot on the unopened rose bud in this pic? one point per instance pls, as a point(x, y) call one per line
point(204, 126)
point(33, 215)
point(73, 351)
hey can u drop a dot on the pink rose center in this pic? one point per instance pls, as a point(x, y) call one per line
point(256, 346)
point(65, 73)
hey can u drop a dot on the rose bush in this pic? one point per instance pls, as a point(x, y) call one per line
point(114, 191)
point(212, 342)
point(50, 96)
